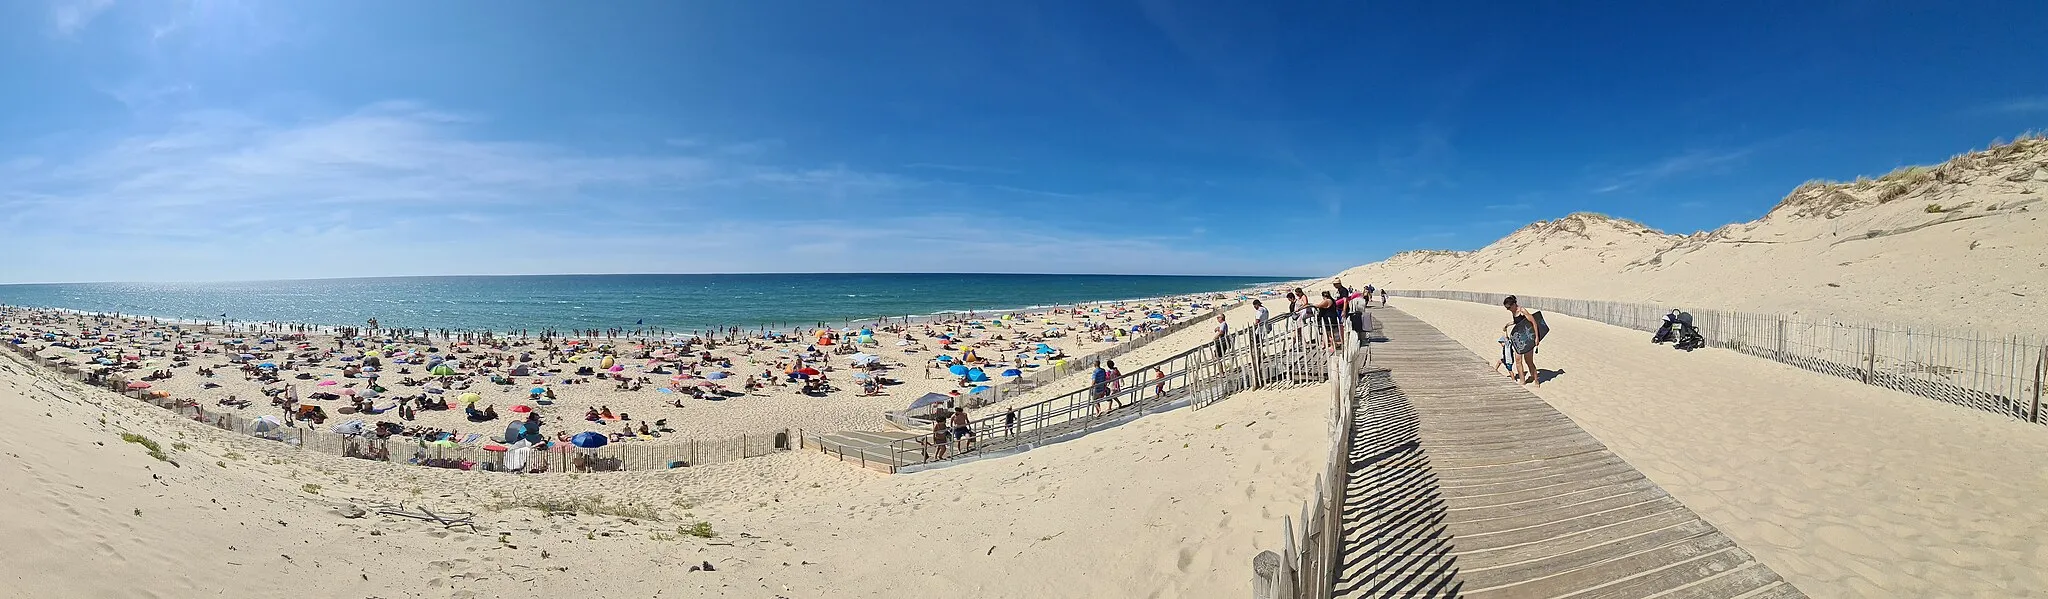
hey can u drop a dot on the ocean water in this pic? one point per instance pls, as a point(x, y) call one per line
point(674, 302)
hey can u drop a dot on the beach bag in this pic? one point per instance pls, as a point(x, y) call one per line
point(1542, 328)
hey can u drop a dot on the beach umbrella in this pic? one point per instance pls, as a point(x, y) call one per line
point(270, 365)
point(978, 389)
point(522, 408)
point(348, 392)
point(138, 385)
point(716, 375)
point(537, 390)
point(369, 369)
point(327, 383)
point(442, 370)
point(265, 424)
point(808, 371)
point(589, 440)
point(469, 398)
point(957, 369)
point(1013, 372)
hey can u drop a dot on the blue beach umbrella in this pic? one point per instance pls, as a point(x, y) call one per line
point(1013, 372)
point(538, 390)
point(589, 440)
point(957, 369)
point(944, 358)
point(267, 365)
point(977, 389)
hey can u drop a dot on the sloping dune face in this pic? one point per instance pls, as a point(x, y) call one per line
point(111, 497)
point(1961, 244)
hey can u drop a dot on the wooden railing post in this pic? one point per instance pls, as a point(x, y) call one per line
point(1265, 574)
point(1870, 355)
point(2040, 372)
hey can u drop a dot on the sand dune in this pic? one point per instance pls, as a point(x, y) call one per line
point(1961, 245)
point(1170, 506)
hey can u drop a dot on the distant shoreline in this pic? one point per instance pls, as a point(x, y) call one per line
point(643, 328)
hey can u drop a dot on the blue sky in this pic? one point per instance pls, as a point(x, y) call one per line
point(244, 140)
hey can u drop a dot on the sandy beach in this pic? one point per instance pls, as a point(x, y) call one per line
point(682, 388)
point(1172, 505)
point(1845, 489)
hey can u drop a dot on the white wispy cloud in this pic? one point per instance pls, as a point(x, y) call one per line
point(67, 17)
point(2020, 105)
point(400, 188)
point(1683, 164)
point(960, 168)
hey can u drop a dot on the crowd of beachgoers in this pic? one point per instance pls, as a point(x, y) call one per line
point(584, 387)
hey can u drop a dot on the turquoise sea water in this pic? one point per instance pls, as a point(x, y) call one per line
point(675, 302)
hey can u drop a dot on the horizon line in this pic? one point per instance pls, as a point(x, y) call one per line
point(645, 274)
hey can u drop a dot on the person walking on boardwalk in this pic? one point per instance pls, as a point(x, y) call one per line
point(1522, 342)
point(1098, 388)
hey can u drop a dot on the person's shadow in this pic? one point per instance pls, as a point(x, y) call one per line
point(1544, 375)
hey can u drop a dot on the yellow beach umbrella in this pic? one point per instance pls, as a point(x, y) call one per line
point(470, 398)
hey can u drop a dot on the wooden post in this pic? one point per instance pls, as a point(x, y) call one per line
point(1870, 355)
point(1781, 339)
point(2040, 372)
point(1265, 568)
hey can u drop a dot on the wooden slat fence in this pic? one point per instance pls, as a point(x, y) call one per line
point(1993, 372)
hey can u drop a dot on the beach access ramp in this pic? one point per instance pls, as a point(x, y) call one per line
point(1461, 483)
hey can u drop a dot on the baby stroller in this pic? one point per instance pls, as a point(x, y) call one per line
point(1678, 330)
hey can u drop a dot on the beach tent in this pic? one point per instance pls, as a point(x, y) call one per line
point(957, 369)
point(927, 403)
point(442, 370)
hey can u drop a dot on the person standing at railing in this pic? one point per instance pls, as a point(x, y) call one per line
point(1222, 336)
point(1263, 326)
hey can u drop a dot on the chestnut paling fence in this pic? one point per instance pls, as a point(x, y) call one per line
point(1306, 565)
point(1280, 350)
point(1995, 373)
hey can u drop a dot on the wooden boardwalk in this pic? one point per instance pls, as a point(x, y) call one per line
point(1463, 484)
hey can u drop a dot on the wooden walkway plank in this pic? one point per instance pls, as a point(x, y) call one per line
point(1461, 483)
